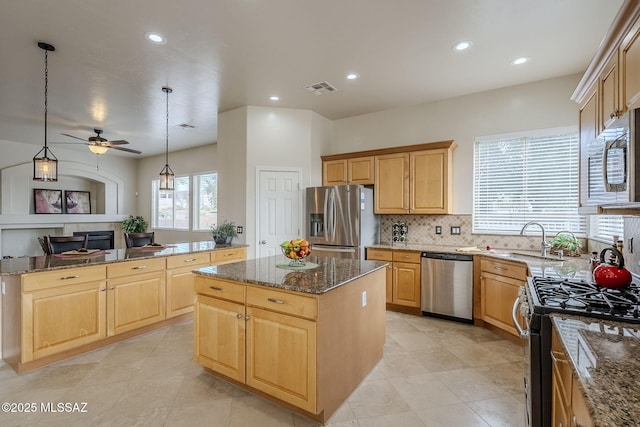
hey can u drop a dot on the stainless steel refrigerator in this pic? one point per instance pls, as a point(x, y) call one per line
point(340, 221)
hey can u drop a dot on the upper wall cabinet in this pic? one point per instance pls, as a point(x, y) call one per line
point(391, 188)
point(630, 68)
point(359, 170)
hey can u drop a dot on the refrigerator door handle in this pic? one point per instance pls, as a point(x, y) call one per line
point(334, 216)
point(327, 222)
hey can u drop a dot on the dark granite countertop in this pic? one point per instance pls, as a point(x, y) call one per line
point(604, 357)
point(53, 262)
point(328, 274)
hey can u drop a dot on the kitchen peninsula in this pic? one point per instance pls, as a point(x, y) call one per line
point(304, 337)
point(58, 306)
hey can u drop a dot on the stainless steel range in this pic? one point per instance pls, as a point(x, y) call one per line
point(545, 295)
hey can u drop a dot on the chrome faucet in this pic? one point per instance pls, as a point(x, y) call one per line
point(543, 245)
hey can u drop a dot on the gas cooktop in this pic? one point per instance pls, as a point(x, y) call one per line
point(553, 295)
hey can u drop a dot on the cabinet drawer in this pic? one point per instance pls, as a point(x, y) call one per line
point(68, 276)
point(188, 259)
point(515, 271)
point(379, 255)
point(297, 305)
point(219, 288)
point(127, 268)
point(405, 256)
point(228, 255)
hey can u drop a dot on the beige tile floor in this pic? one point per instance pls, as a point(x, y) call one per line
point(434, 373)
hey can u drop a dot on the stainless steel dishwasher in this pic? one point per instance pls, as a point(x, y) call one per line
point(447, 285)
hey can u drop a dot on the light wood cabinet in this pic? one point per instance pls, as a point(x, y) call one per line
point(630, 67)
point(334, 172)
point(568, 405)
point(179, 282)
point(361, 170)
point(59, 318)
point(391, 191)
point(430, 182)
point(220, 336)
point(499, 286)
point(609, 96)
point(267, 340)
point(226, 256)
point(403, 275)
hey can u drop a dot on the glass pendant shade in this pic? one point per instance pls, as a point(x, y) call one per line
point(45, 166)
point(167, 178)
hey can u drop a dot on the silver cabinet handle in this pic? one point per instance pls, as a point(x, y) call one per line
point(228, 254)
point(189, 260)
point(277, 301)
point(215, 288)
point(69, 277)
point(140, 267)
point(514, 315)
point(239, 315)
point(103, 289)
point(112, 288)
point(247, 317)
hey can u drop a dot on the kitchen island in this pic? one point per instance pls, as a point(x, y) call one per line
point(58, 306)
point(303, 337)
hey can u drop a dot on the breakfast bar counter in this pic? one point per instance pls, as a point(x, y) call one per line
point(304, 337)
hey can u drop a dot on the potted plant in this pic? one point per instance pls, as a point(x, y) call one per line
point(135, 224)
point(224, 233)
point(566, 241)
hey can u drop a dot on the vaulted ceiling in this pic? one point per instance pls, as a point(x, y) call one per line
point(220, 55)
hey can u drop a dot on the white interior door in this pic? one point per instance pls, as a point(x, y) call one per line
point(278, 215)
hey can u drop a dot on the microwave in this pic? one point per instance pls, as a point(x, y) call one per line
point(612, 165)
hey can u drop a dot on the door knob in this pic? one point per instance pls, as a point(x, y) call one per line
point(263, 242)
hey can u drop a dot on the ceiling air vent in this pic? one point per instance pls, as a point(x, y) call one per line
point(320, 88)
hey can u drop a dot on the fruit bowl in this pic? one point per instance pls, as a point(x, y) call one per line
point(296, 250)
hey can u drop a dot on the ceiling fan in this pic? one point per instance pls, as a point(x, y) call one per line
point(99, 145)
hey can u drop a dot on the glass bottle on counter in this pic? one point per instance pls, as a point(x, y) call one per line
point(594, 260)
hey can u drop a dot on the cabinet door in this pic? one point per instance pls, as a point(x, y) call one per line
point(392, 184)
point(559, 410)
point(498, 294)
point(361, 170)
point(135, 301)
point(334, 172)
point(180, 290)
point(62, 318)
point(588, 116)
point(220, 336)
point(630, 63)
point(384, 255)
point(281, 357)
point(226, 256)
point(579, 409)
point(430, 181)
point(609, 93)
point(406, 284)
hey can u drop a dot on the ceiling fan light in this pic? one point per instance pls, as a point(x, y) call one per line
point(98, 149)
point(45, 167)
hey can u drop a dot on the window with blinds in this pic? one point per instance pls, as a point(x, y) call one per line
point(605, 227)
point(527, 177)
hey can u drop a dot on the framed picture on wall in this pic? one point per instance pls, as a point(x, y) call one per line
point(47, 201)
point(77, 202)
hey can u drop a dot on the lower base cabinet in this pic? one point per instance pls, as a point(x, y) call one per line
point(293, 347)
point(403, 276)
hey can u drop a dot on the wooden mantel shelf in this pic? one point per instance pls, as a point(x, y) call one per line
point(382, 151)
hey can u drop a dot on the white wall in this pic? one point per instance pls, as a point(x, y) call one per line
point(543, 104)
point(199, 159)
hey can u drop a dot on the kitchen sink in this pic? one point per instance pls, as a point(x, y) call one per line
point(516, 255)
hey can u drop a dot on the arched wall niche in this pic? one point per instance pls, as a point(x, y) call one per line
point(17, 187)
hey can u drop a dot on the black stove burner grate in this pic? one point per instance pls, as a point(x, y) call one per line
point(588, 298)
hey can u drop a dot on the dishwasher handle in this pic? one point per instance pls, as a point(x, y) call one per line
point(447, 256)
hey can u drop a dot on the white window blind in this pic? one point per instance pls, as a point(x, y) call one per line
point(527, 177)
point(605, 227)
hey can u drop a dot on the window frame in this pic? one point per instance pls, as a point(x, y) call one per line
point(195, 200)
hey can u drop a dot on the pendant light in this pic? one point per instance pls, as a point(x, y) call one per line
point(166, 175)
point(45, 164)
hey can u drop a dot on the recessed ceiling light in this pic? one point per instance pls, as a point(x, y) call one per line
point(352, 76)
point(274, 98)
point(462, 45)
point(156, 38)
point(520, 61)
